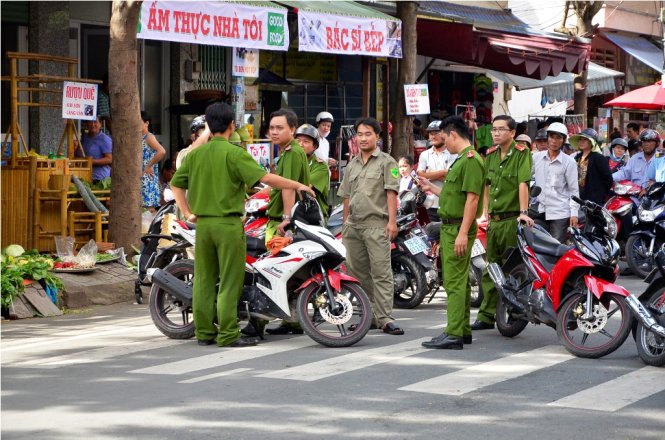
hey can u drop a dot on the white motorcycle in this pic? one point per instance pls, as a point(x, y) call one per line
point(302, 282)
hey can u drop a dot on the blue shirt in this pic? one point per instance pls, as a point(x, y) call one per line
point(97, 147)
point(656, 170)
point(635, 170)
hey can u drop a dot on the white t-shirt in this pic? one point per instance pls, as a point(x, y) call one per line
point(324, 149)
point(431, 160)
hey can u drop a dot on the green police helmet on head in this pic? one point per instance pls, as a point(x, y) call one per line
point(235, 138)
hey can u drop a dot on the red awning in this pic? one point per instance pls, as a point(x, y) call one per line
point(532, 56)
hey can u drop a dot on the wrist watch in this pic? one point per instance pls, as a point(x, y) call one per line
point(286, 217)
point(524, 211)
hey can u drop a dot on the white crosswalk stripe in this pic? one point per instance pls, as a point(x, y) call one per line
point(348, 362)
point(215, 375)
point(617, 393)
point(489, 373)
point(228, 356)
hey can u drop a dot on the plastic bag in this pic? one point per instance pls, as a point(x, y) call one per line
point(64, 247)
point(120, 252)
point(146, 219)
point(87, 256)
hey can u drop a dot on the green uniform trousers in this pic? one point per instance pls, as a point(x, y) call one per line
point(218, 240)
point(501, 235)
point(456, 280)
point(368, 260)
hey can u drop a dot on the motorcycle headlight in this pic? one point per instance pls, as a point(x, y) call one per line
point(646, 215)
point(625, 209)
point(610, 224)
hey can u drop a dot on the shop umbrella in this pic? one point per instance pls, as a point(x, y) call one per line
point(645, 98)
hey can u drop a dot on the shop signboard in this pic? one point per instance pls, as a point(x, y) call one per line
point(417, 99)
point(219, 23)
point(345, 35)
point(79, 100)
point(260, 152)
point(245, 62)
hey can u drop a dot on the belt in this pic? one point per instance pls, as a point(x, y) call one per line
point(504, 215)
point(451, 221)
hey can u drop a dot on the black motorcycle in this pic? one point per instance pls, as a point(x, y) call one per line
point(648, 237)
point(649, 332)
point(154, 256)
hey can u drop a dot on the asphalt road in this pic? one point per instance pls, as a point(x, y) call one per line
point(108, 373)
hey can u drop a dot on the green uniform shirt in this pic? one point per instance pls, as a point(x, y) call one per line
point(292, 164)
point(216, 175)
point(319, 177)
point(504, 177)
point(467, 174)
point(365, 186)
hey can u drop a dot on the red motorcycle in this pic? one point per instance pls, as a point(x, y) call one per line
point(623, 205)
point(569, 288)
point(256, 209)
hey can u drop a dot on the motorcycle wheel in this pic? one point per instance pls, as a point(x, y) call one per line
point(636, 256)
point(476, 281)
point(650, 346)
point(172, 317)
point(602, 334)
point(416, 288)
point(506, 323)
point(342, 327)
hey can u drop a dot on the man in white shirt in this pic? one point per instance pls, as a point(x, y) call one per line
point(324, 121)
point(433, 165)
point(556, 174)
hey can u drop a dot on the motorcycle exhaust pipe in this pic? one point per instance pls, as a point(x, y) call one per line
point(172, 285)
point(499, 280)
point(644, 316)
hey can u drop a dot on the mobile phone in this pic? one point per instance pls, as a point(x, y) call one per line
point(415, 178)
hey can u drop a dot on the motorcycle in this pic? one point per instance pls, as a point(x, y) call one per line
point(623, 206)
point(413, 268)
point(569, 288)
point(649, 332)
point(256, 219)
point(152, 255)
point(302, 280)
point(649, 235)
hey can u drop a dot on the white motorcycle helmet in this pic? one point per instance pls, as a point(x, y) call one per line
point(559, 128)
point(324, 117)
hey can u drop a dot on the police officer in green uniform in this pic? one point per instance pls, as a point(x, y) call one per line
point(369, 193)
point(215, 176)
point(508, 171)
point(291, 164)
point(460, 206)
point(319, 173)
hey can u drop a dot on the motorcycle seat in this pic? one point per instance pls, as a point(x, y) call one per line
point(543, 243)
point(256, 245)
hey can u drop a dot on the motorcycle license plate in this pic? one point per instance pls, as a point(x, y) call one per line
point(478, 248)
point(415, 245)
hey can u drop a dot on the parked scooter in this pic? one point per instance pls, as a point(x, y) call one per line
point(256, 215)
point(623, 207)
point(152, 256)
point(649, 331)
point(302, 280)
point(648, 237)
point(569, 288)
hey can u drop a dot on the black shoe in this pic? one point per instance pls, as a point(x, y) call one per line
point(206, 341)
point(467, 339)
point(284, 330)
point(480, 325)
point(249, 330)
point(446, 343)
point(243, 342)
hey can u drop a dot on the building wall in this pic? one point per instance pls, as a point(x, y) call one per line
point(636, 17)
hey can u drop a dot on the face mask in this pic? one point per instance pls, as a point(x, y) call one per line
point(324, 134)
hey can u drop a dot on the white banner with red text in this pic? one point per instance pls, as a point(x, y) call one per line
point(227, 24)
point(326, 33)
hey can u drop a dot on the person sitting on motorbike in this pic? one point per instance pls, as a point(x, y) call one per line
point(198, 137)
point(656, 169)
point(636, 168)
point(593, 171)
point(405, 166)
point(319, 173)
point(618, 157)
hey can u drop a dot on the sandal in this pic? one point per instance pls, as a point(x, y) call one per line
point(392, 329)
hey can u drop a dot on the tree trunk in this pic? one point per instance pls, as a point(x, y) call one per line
point(585, 11)
point(406, 74)
point(125, 211)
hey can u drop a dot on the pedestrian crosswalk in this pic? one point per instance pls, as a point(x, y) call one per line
point(442, 373)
